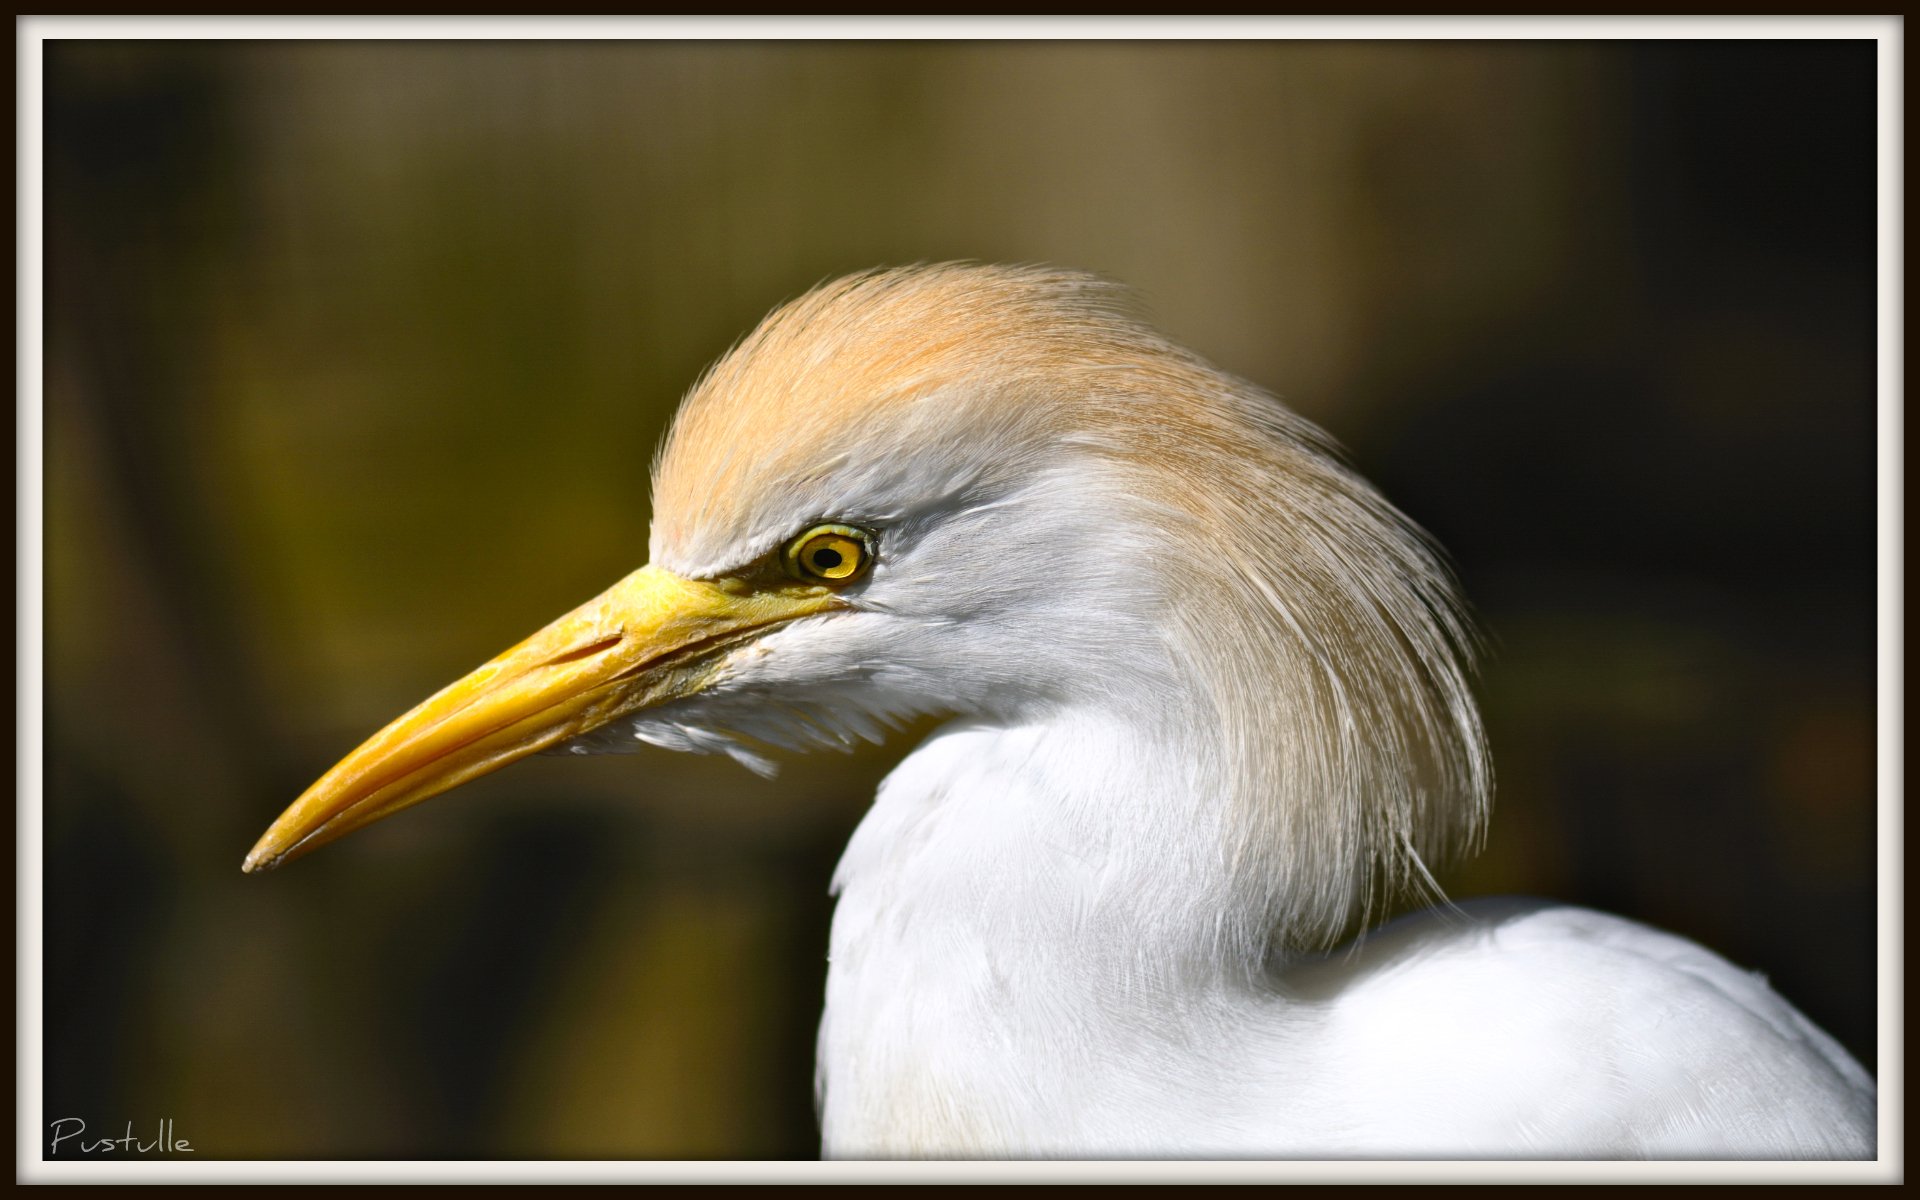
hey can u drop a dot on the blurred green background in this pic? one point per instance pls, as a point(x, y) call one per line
point(357, 353)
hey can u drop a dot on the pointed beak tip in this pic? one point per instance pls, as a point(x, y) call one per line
point(260, 860)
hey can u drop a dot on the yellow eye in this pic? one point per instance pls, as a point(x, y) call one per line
point(830, 554)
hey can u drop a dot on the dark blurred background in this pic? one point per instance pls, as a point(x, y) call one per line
point(357, 353)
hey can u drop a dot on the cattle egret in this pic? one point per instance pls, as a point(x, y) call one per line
point(1207, 708)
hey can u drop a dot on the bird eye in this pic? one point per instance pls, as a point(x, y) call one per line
point(833, 554)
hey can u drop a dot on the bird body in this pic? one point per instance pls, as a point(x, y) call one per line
point(1207, 710)
point(1001, 985)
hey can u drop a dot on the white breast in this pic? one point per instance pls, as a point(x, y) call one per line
point(1005, 981)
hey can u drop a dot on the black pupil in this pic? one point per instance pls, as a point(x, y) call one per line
point(826, 560)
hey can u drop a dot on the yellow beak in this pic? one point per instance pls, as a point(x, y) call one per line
point(651, 638)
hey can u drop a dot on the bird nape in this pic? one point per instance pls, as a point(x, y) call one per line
point(1207, 706)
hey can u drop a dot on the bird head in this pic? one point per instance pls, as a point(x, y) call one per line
point(996, 493)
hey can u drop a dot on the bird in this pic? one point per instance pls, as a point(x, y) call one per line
point(1204, 713)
